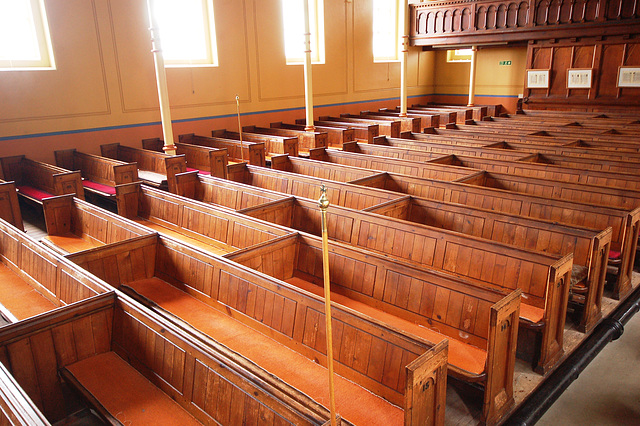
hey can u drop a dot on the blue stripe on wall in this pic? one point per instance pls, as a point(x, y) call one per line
point(187, 120)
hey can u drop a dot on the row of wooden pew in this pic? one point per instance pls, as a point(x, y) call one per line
point(443, 234)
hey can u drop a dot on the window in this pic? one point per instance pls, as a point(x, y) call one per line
point(388, 21)
point(459, 55)
point(293, 17)
point(24, 36)
point(187, 32)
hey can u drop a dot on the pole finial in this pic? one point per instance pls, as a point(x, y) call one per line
point(323, 202)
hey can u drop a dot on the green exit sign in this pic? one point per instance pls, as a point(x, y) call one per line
point(504, 63)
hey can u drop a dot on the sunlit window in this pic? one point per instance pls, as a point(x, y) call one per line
point(187, 32)
point(293, 18)
point(459, 55)
point(24, 35)
point(387, 18)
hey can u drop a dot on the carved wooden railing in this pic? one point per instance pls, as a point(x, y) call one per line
point(452, 22)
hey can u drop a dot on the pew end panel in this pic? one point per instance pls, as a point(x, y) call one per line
point(279, 212)
point(503, 333)
point(426, 387)
point(125, 173)
point(65, 158)
point(68, 183)
point(622, 286)
point(127, 199)
point(173, 166)
point(9, 205)
point(188, 185)
point(16, 407)
point(596, 279)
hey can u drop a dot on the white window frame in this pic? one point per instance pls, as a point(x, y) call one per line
point(398, 29)
point(210, 42)
point(43, 37)
point(316, 28)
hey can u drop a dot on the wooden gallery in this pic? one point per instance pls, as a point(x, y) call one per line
point(363, 212)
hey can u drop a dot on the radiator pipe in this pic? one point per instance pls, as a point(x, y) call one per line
point(611, 328)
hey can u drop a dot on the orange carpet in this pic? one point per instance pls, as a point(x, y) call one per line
point(353, 402)
point(22, 300)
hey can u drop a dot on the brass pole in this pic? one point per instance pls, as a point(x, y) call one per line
point(240, 127)
point(323, 203)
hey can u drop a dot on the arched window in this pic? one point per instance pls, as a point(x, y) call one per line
point(293, 22)
point(187, 32)
point(24, 36)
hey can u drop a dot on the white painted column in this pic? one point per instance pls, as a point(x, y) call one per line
point(308, 86)
point(405, 58)
point(472, 76)
point(161, 80)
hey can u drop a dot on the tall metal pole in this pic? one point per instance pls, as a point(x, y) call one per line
point(323, 203)
point(472, 76)
point(405, 58)
point(308, 87)
point(161, 79)
point(240, 127)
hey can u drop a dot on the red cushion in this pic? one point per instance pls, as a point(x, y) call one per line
point(33, 192)
point(614, 254)
point(99, 187)
point(189, 169)
point(204, 172)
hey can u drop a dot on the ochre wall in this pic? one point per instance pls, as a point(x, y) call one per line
point(105, 82)
point(494, 83)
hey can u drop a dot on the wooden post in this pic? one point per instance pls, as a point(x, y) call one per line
point(472, 76)
point(405, 58)
point(161, 80)
point(323, 203)
point(308, 87)
point(240, 127)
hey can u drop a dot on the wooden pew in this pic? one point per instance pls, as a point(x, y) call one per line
point(34, 279)
point(382, 164)
point(426, 120)
point(154, 168)
point(16, 408)
point(130, 364)
point(543, 278)
point(242, 303)
point(253, 152)
point(386, 127)
point(306, 140)
point(273, 144)
point(350, 196)
point(446, 115)
point(100, 175)
point(74, 225)
point(424, 151)
point(374, 286)
point(479, 111)
point(362, 131)
point(222, 192)
point(208, 161)
point(407, 124)
point(216, 230)
point(9, 204)
point(605, 165)
point(590, 247)
point(624, 223)
point(525, 168)
point(335, 136)
point(36, 181)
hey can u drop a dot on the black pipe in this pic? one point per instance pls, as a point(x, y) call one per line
point(611, 328)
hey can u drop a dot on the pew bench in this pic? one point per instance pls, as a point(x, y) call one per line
point(160, 269)
point(216, 230)
point(306, 139)
point(335, 136)
point(206, 160)
point(100, 175)
point(74, 225)
point(36, 180)
point(253, 152)
point(385, 127)
point(273, 144)
point(133, 365)
point(9, 204)
point(154, 168)
point(409, 299)
point(114, 388)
